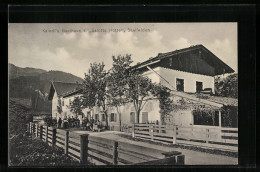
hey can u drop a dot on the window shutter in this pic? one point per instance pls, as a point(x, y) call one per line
point(110, 117)
point(115, 115)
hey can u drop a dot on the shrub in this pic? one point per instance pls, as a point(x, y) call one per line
point(25, 151)
point(49, 121)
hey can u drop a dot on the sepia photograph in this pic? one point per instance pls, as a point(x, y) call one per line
point(115, 94)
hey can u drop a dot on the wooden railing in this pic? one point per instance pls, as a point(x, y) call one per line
point(205, 136)
point(156, 133)
point(100, 151)
point(214, 137)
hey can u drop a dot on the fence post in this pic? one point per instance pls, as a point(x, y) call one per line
point(174, 158)
point(66, 143)
point(83, 148)
point(115, 153)
point(180, 160)
point(133, 131)
point(41, 132)
point(36, 126)
point(33, 129)
point(53, 137)
point(30, 127)
point(174, 134)
point(46, 139)
point(151, 131)
point(207, 140)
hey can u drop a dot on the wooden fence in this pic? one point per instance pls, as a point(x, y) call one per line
point(156, 133)
point(204, 136)
point(100, 151)
point(213, 137)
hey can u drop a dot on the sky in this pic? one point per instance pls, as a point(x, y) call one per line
point(72, 47)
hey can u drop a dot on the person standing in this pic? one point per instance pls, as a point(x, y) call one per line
point(59, 122)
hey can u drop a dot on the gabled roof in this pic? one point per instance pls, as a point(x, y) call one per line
point(212, 60)
point(62, 88)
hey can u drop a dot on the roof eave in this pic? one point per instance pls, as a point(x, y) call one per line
point(71, 93)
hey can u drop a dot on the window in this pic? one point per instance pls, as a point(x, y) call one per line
point(113, 117)
point(170, 61)
point(132, 117)
point(144, 117)
point(199, 86)
point(96, 117)
point(180, 84)
point(62, 102)
point(103, 117)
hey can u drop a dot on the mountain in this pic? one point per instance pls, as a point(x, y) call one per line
point(32, 85)
point(15, 71)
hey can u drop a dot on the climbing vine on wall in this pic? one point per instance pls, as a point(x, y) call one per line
point(59, 108)
point(165, 103)
point(229, 116)
point(205, 116)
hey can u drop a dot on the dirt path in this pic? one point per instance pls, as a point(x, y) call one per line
point(191, 157)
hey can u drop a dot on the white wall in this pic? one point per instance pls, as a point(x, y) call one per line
point(182, 118)
point(152, 107)
point(66, 110)
point(54, 105)
point(189, 79)
point(152, 75)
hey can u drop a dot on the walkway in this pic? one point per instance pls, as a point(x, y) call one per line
point(191, 157)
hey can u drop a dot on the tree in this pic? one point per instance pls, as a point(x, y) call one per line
point(141, 90)
point(124, 86)
point(117, 81)
point(165, 103)
point(94, 88)
point(227, 87)
point(138, 92)
point(76, 106)
point(59, 107)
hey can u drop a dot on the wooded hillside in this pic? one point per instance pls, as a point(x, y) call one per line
point(33, 85)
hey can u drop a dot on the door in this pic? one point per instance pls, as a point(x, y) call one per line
point(88, 115)
point(144, 117)
point(132, 117)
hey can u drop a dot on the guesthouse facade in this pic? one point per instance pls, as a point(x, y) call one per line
point(186, 72)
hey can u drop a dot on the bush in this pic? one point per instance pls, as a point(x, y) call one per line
point(229, 117)
point(26, 151)
point(19, 116)
point(49, 121)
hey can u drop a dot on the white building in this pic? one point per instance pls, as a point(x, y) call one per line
point(185, 72)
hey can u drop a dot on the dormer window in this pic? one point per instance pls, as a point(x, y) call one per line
point(170, 61)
